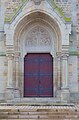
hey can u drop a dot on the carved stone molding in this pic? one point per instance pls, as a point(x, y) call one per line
point(58, 54)
point(37, 2)
point(38, 36)
point(10, 56)
point(10, 50)
point(17, 54)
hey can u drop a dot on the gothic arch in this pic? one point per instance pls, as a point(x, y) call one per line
point(33, 27)
point(16, 34)
point(39, 18)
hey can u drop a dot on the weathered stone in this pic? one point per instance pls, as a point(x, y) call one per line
point(39, 26)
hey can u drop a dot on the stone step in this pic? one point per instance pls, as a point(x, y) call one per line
point(39, 101)
point(42, 119)
point(34, 111)
point(39, 112)
point(39, 116)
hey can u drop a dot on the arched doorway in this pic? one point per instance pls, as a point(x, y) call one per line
point(38, 36)
point(38, 75)
point(37, 30)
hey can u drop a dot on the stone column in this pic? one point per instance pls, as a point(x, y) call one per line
point(2, 26)
point(65, 95)
point(17, 89)
point(10, 87)
point(64, 71)
point(59, 69)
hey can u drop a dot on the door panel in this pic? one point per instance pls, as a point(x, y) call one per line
point(45, 75)
point(38, 78)
point(31, 82)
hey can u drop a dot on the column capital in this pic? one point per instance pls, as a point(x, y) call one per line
point(58, 54)
point(64, 56)
point(10, 56)
point(17, 54)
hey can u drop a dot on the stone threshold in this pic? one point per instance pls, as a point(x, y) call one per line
point(36, 102)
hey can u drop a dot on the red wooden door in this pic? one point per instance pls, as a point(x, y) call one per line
point(38, 78)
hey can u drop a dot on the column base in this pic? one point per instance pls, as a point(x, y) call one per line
point(9, 93)
point(16, 93)
point(64, 94)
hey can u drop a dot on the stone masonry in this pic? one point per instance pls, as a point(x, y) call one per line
point(44, 26)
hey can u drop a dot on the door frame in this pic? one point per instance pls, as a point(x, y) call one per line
point(21, 71)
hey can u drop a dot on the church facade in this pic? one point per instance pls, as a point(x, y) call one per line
point(39, 49)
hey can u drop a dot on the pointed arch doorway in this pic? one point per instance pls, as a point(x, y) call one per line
point(38, 75)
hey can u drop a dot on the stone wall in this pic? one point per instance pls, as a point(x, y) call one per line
point(78, 24)
point(78, 34)
point(12, 5)
point(11, 8)
point(3, 76)
point(3, 60)
point(65, 5)
point(73, 79)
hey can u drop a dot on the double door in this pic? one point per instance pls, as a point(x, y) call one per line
point(38, 75)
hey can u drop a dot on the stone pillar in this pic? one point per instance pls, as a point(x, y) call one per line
point(1, 26)
point(65, 95)
point(59, 69)
point(64, 71)
point(58, 94)
point(17, 89)
point(10, 87)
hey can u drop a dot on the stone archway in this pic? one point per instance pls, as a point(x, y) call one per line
point(38, 37)
point(53, 46)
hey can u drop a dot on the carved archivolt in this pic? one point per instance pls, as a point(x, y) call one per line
point(38, 36)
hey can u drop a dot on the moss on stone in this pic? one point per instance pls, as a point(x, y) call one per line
point(23, 0)
point(54, 4)
point(7, 19)
point(2, 54)
point(75, 53)
point(15, 11)
point(60, 12)
point(10, 19)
